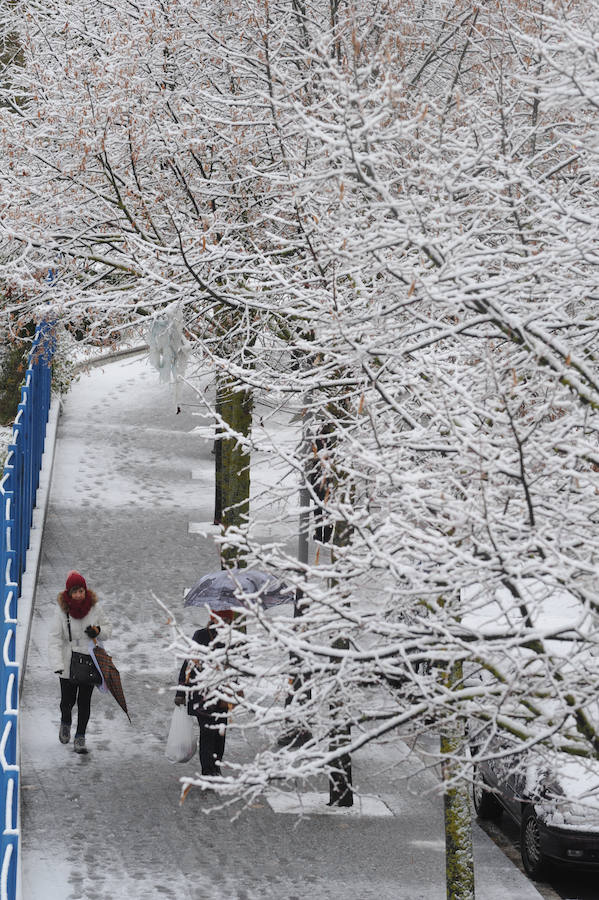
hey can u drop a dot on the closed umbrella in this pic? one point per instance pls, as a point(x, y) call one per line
point(111, 676)
point(218, 590)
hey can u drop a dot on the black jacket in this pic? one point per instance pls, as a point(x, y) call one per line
point(200, 704)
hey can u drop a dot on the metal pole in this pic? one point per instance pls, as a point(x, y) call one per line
point(296, 736)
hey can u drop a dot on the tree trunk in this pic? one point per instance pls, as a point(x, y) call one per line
point(459, 857)
point(232, 461)
point(218, 461)
point(340, 780)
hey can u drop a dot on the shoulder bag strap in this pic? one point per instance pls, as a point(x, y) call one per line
point(69, 627)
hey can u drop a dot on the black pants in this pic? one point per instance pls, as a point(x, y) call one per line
point(212, 742)
point(71, 693)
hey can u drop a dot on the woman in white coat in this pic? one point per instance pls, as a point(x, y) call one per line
point(78, 618)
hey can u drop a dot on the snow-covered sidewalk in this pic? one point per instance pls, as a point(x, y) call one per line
point(109, 825)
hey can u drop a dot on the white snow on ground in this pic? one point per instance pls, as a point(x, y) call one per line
point(119, 470)
point(109, 826)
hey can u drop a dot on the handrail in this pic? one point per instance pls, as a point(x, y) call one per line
point(18, 487)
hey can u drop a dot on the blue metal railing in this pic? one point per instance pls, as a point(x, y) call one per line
point(18, 487)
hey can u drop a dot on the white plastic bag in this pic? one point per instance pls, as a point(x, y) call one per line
point(182, 741)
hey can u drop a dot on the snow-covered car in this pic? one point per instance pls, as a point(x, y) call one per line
point(556, 807)
point(547, 656)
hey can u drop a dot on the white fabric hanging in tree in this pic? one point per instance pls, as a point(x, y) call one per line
point(169, 349)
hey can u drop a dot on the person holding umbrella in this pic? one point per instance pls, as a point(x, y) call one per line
point(78, 619)
point(211, 713)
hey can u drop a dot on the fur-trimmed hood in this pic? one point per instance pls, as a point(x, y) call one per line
point(61, 601)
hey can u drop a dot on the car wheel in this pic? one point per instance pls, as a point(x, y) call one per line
point(535, 864)
point(486, 804)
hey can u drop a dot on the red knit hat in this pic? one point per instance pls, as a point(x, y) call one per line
point(75, 580)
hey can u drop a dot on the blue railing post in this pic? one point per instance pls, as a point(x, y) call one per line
point(9, 686)
point(18, 487)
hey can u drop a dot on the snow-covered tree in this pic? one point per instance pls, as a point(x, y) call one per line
point(384, 216)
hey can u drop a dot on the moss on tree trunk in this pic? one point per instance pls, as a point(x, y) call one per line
point(459, 858)
point(232, 461)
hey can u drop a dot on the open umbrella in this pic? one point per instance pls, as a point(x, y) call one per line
point(218, 590)
point(112, 678)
